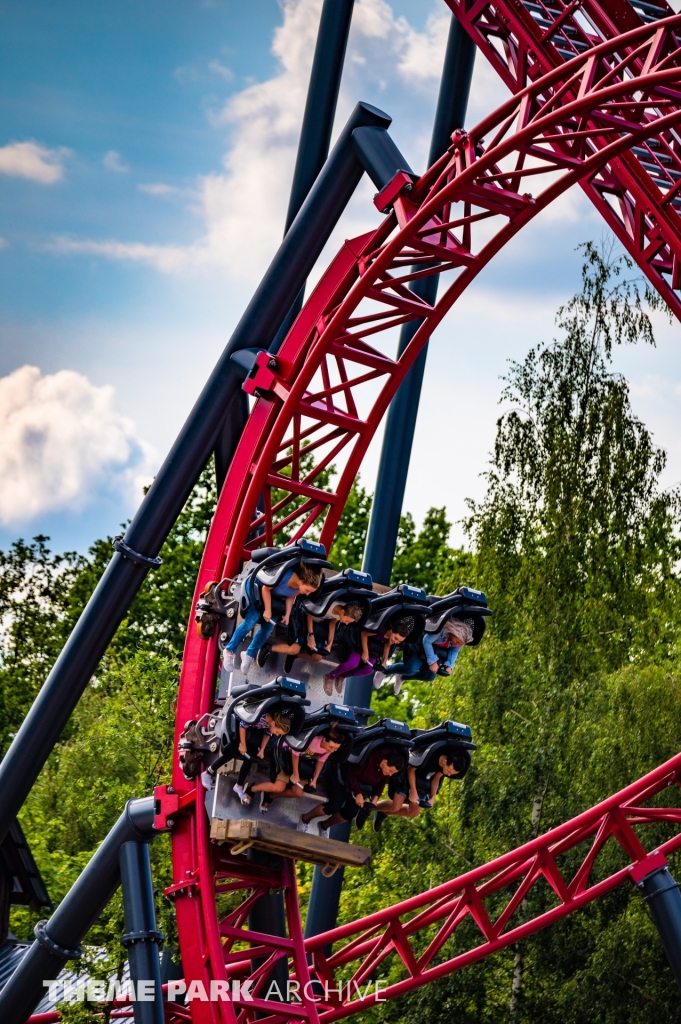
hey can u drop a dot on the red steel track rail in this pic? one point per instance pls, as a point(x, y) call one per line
point(420, 931)
point(324, 397)
point(640, 194)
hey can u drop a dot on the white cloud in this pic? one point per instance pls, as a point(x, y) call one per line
point(112, 161)
point(168, 258)
point(159, 188)
point(219, 69)
point(62, 441)
point(32, 161)
point(423, 55)
point(243, 205)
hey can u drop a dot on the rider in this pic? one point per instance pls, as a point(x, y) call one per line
point(419, 787)
point(319, 750)
point(271, 724)
point(305, 579)
point(306, 646)
point(424, 661)
point(346, 799)
point(374, 650)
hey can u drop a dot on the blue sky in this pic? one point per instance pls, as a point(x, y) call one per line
point(145, 159)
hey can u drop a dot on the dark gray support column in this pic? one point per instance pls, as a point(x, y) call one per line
point(269, 916)
point(177, 476)
point(399, 434)
point(401, 421)
point(141, 937)
point(58, 939)
point(313, 149)
point(318, 919)
point(662, 895)
point(320, 111)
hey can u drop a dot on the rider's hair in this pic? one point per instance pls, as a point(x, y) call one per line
point(281, 722)
point(332, 734)
point(395, 759)
point(310, 575)
point(456, 761)
point(459, 630)
point(402, 626)
point(353, 610)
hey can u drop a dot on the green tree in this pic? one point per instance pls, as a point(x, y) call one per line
point(425, 559)
point(347, 550)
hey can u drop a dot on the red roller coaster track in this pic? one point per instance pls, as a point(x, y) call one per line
point(608, 118)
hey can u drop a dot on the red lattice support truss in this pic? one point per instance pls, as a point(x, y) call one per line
point(320, 402)
point(421, 931)
point(639, 195)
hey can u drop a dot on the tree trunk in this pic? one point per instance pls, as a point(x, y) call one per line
point(519, 962)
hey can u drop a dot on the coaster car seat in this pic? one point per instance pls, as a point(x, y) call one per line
point(450, 737)
point(284, 695)
point(348, 585)
point(387, 732)
point(403, 600)
point(269, 569)
point(341, 717)
point(466, 604)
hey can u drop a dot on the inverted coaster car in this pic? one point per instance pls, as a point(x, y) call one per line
point(447, 738)
point(268, 566)
point(466, 604)
point(403, 600)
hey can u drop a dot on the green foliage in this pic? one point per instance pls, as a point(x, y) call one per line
point(119, 742)
point(425, 559)
point(347, 549)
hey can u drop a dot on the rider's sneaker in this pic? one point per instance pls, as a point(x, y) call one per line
point(228, 661)
point(362, 815)
point(379, 818)
point(263, 654)
point(242, 794)
point(328, 685)
point(378, 680)
point(288, 663)
point(397, 684)
point(246, 662)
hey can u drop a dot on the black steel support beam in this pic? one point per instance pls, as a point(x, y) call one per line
point(313, 149)
point(141, 937)
point(662, 895)
point(177, 476)
point(58, 940)
point(401, 421)
point(320, 110)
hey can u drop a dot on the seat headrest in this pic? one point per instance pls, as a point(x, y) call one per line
point(419, 757)
point(387, 732)
point(340, 589)
point(448, 730)
point(262, 553)
point(250, 704)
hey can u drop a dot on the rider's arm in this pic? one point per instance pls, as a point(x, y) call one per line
point(331, 634)
point(365, 644)
point(434, 783)
point(431, 656)
point(413, 792)
point(267, 603)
